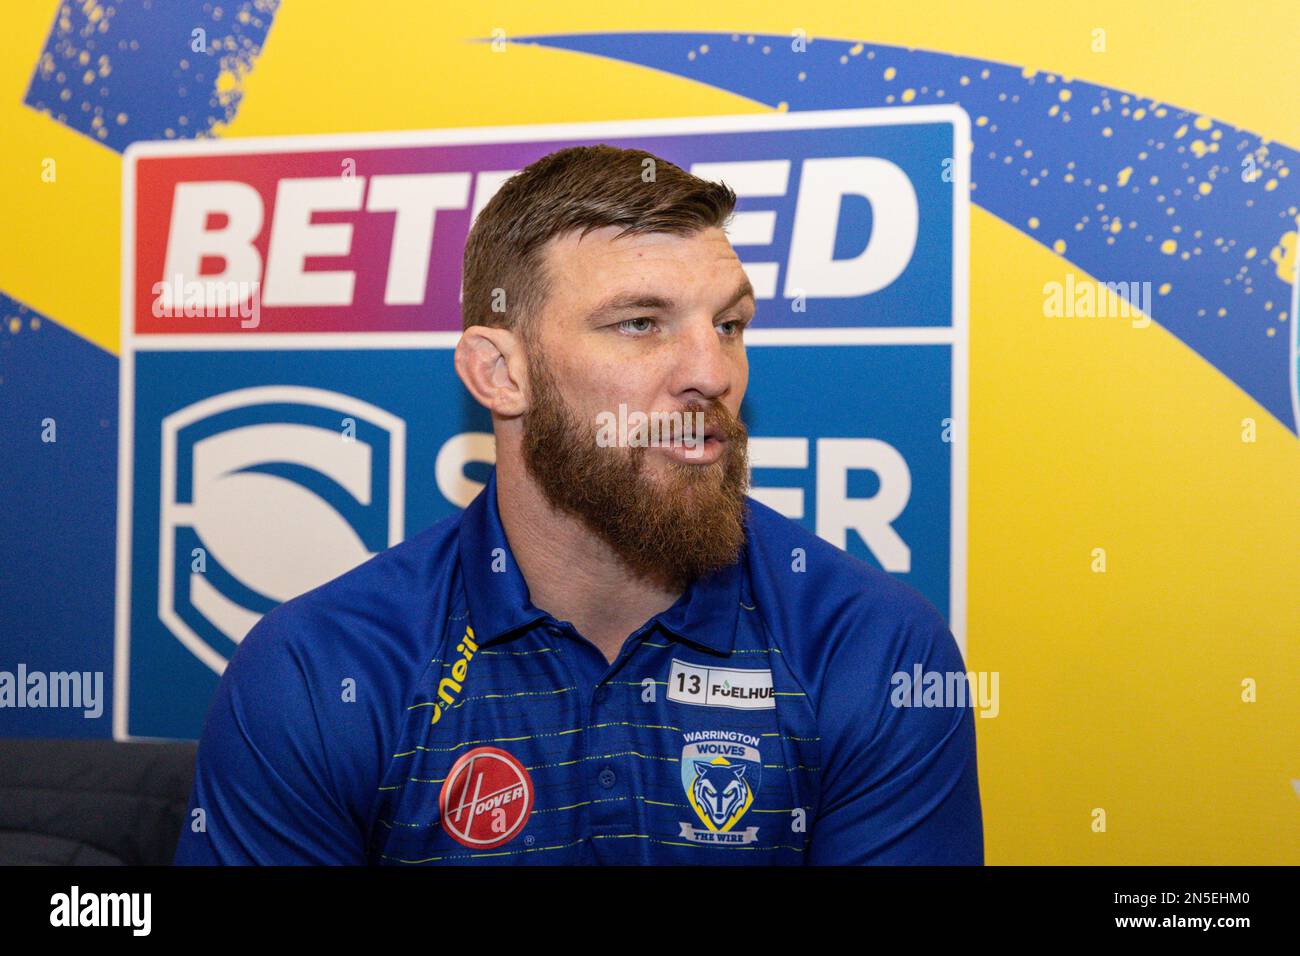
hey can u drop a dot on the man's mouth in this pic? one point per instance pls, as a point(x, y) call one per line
point(699, 448)
point(695, 441)
point(701, 438)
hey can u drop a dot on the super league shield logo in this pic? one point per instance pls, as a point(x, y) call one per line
point(268, 492)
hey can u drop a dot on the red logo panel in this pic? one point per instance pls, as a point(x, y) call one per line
point(486, 798)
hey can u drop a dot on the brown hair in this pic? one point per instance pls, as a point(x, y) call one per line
point(581, 187)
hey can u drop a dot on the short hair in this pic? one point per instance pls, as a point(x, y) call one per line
point(580, 187)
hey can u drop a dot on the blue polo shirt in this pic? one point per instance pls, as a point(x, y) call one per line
point(419, 709)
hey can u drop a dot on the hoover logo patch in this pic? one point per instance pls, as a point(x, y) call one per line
point(720, 774)
point(486, 798)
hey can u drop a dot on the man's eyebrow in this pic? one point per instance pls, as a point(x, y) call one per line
point(743, 291)
point(623, 301)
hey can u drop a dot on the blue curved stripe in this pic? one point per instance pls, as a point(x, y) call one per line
point(58, 509)
point(1055, 151)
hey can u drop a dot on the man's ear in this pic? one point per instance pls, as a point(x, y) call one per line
point(490, 363)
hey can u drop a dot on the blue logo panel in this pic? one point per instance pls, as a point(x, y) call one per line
point(253, 467)
point(871, 421)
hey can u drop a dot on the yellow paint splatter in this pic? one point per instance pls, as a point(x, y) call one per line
point(908, 95)
point(1124, 174)
point(1180, 132)
point(1064, 96)
point(1033, 222)
point(1164, 288)
point(1059, 246)
point(1204, 122)
point(1283, 256)
point(1169, 247)
point(1204, 189)
point(1198, 148)
point(890, 73)
point(981, 121)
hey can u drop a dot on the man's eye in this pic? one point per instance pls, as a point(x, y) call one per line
point(733, 327)
point(635, 325)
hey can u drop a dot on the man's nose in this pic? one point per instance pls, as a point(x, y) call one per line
point(703, 369)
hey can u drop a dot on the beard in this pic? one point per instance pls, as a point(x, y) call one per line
point(673, 528)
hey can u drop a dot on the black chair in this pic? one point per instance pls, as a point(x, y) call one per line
point(92, 802)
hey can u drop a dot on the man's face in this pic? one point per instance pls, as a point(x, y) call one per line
point(652, 323)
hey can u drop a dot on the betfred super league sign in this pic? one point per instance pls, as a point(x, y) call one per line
point(289, 406)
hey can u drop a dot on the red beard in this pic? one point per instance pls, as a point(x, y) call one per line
point(672, 531)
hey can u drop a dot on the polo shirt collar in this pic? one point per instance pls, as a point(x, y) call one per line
point(708, 609)
point(499, 603)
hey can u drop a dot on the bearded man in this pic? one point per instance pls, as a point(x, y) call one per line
point(613, 655)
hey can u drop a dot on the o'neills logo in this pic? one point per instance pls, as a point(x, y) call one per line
point(449, 687)
point(486, 798)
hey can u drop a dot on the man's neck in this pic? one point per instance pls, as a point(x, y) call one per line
point(571, 573)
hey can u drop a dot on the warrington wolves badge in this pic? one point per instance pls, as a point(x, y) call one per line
point(720, 773)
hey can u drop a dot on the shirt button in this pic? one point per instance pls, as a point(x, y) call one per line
point(602, 694)
point(607, 778)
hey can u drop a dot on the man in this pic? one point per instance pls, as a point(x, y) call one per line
point(613, 655)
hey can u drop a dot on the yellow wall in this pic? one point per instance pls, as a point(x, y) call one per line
point(1119, 691)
